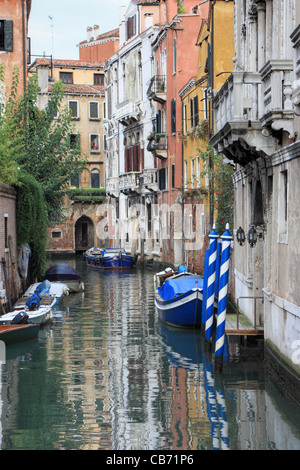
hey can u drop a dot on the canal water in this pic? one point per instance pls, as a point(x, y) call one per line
point(107, 375)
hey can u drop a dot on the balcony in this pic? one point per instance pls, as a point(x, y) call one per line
point(295, 36)
point(238, 129)
point(149, 179)
point(277, 113)
point(157, 89)
point(112, 187)
point(128, 113)
point(130, 183)
point(158, 145)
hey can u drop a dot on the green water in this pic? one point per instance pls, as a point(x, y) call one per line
point(107, 375)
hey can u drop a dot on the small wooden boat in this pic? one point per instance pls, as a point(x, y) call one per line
point(11, 334)
point(109, 258)
point(66, 274)
point(40, 316)
point(178, 298)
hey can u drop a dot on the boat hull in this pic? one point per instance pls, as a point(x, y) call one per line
point(183, 311)
point(11, 334)
point(107, 261)
point(38, 317)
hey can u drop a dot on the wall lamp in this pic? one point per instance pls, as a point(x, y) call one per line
point(252, 236)
point(240, 236)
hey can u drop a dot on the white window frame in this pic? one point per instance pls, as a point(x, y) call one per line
point(77, 106)
point(97, 117)
point(93, 150)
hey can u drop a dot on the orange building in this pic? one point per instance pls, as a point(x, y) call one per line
point(99, 47)
point(176, 54)
point(14, 50)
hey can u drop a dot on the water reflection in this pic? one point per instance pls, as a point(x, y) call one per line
point(108, 375)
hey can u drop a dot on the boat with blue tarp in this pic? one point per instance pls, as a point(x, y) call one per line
point(178, 297)
point(109, 258)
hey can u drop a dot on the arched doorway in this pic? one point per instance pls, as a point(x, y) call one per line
point(84, 234)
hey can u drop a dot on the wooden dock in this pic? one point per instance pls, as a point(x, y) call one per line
point(239, 325)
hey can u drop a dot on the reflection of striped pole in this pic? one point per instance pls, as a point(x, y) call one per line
point(213, 236)
point(223, 288)
point(204, 289)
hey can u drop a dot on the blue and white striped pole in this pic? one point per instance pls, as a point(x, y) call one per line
point(223, 289)
point(213, 236)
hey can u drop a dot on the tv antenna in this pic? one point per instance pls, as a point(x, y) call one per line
point(51, 19)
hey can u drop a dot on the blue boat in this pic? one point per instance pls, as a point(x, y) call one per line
point(109, 258)
point(178, 300)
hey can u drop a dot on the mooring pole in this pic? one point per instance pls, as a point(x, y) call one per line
point(210, 301)
point(223, 289)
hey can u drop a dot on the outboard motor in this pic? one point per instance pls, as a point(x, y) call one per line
point(20, 318)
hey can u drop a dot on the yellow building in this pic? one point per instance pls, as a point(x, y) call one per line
point(215, 60)
point(84, 95)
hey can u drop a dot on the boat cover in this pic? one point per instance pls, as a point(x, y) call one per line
point(62, 272)
point(177, 286)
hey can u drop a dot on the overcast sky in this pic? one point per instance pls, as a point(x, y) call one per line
point(60, 35)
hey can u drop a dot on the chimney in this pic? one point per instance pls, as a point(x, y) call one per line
point(89, 30)
point(96, 31)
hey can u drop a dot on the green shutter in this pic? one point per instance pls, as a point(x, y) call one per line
point(8, 35)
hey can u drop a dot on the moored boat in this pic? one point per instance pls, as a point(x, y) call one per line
point(109, 258)
point(178, 298)
point(11, 334)
point(40, 316)
point(42, 294)
point(66, 274)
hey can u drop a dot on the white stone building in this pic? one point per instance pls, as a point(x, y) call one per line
point(257, 127)
point(131, 173)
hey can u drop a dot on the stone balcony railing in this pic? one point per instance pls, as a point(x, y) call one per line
point(295, 37)
point(240, 116)
point(149, 179)
point(277, 112)
point(130, 182)
point(112, 186)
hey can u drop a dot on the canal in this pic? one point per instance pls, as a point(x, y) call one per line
point(107, 375)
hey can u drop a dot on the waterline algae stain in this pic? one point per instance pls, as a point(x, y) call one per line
point(107, 375)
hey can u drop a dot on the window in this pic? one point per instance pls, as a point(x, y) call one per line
point(94, 110)
point(162, 178)
point(6, 35)
point(66, 77)
point(74, 141)
point(131, 27)
point(173, 175)
point(6, 232)
point(194, 111)
point(94, 143)
point(184, 120)
point(173, 116)
point(95, 179)
point(98, 79)
point(56, 234)
point(75, 181)
point(198, 172)
point(174, 55)
point(73, 107)
point(133, 159)
point(283, 207)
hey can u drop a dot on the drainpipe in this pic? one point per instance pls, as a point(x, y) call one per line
point(211, 165)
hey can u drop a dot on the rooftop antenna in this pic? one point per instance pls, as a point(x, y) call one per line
point(51, 19)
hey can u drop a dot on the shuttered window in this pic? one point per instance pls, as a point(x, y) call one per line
point(6, 35)
point(173, 116)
